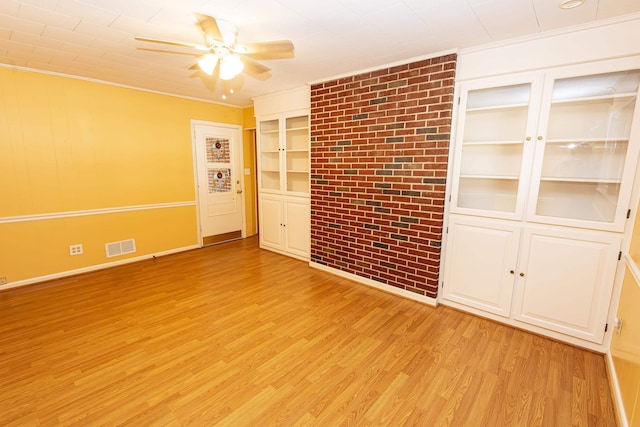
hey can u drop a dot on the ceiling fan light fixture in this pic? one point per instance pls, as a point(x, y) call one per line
point(230, 66)
point(208, 63)
point(570, 4)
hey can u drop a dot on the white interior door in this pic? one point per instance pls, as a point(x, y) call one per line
point(218, 150)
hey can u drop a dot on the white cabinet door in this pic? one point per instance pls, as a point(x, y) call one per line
point(285, 225)
point(480, 263)
point(283, 161)
point(561, 142)
point(493, 146)
point(271, 222)
point(296, 150)
point(297, 226)
point(270, 155)
point(566, 282)
point(585, 155)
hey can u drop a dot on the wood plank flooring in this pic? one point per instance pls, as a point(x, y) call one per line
point(232, 335)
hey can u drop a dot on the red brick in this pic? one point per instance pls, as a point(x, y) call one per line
point(417, 95)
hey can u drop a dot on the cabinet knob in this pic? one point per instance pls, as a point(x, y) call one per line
point(539, 138)
point(512, 272)
point(528, 138)
point(521, 274)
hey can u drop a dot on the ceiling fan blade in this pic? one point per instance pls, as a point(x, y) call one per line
point(201, 74)
point(168, 51)
point(255, 69)
point(276, 49)
point(209, 27)
point(172, 43)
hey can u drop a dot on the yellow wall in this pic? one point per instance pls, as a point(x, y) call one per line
point(250, 184)
point(625, 344)
point(68, 145)
point(625, 348)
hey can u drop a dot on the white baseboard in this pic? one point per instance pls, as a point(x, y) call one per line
point(618, 405)
point(372, 283)
point(62, 274)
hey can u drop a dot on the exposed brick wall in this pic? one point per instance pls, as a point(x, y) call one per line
point(379, 154)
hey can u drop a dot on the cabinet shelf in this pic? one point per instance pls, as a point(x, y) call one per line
point(582, 180)
point(293, 129)
point(267, 132)
point(504, 177)
point(511, 142)
point(598, 98)
point(593, 141)
point(297, 150)
point(498, 107)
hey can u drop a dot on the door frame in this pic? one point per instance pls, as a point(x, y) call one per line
point(238, 128)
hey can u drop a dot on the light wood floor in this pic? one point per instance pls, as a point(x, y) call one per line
point(232, 335)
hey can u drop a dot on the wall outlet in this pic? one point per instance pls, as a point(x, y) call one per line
point(3, 280)
point(75, 250)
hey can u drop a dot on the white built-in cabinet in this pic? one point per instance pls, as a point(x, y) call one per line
point(284, 153)
point(543, 169)
point(285, 224)
point(555, 278)
point(283, 174)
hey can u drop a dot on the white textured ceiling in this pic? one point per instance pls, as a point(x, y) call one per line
point(95, 38)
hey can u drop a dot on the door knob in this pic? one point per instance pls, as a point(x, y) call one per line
point(238, 191)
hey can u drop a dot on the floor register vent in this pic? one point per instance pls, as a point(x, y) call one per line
point(120, 248)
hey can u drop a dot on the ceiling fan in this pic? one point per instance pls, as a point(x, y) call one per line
point(221, 53)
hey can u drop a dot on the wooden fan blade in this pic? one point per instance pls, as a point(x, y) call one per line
point(169, 51)
point(276, 49)
point(209, 27)
point(262, 77)
point(255, 69)
point(173, 43)
point(201, 74)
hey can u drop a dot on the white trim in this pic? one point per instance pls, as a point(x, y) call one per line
point(68, 273)
point(615, 390)
point(448, 192)
point(69, 214)
point(104, 82)
point(551, 33)
point(633, 267)
point(372, 283)
point(388, 65)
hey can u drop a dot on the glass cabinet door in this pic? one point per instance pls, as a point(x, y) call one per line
point(492, 147)
point(582, 160)
point(297, 154)
point(270, 155)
